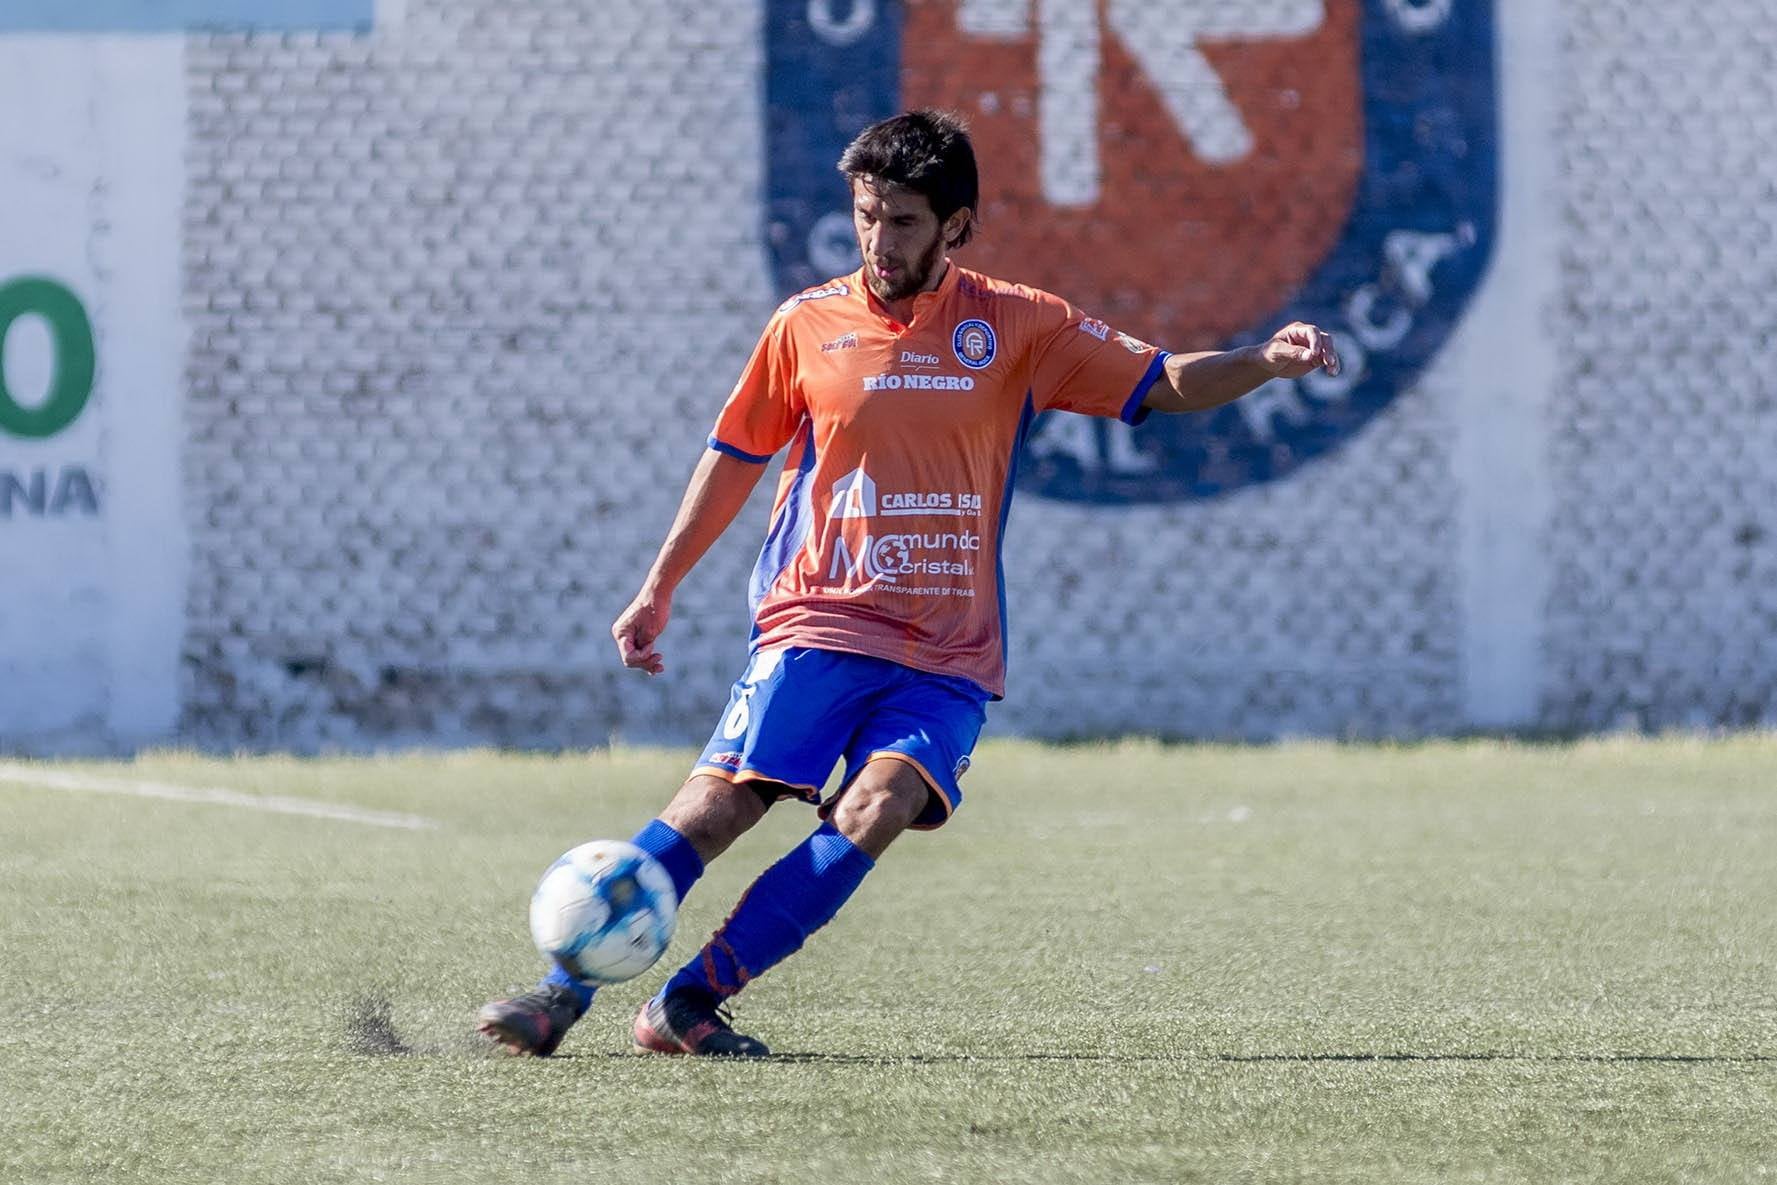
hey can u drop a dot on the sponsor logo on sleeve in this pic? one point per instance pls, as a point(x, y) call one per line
point(814, 294)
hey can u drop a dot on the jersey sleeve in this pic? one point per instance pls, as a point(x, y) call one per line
point(765, 407)
point(1083, 365)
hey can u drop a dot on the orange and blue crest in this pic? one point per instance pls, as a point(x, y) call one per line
point(1196, 173)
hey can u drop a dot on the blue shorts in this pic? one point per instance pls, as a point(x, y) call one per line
point(797, 711)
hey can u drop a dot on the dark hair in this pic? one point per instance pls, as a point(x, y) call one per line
point(925, 151)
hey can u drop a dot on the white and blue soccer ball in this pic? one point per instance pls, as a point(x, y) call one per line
point(604, 912)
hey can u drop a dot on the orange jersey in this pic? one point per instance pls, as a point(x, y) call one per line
point(904, 439)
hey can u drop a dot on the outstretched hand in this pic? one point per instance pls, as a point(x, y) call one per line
point(638, 627)
point(1298, 349)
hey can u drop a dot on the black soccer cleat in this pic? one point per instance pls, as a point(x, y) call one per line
point(687, 1022)
point(532, 1023)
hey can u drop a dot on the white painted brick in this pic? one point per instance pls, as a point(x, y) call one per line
point(431, 274)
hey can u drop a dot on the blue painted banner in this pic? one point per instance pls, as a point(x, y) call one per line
point(1195, 175)
point(161, 16)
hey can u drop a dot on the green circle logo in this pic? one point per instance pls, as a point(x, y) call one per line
point(72, 334)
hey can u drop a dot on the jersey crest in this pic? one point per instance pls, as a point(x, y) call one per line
point(974, 344)
point(1196, 173)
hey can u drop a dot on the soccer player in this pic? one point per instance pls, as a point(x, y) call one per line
point(903, 392)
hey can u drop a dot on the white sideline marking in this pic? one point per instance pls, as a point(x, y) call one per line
point(277, 804)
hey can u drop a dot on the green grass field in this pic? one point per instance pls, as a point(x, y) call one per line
point(1461, 962)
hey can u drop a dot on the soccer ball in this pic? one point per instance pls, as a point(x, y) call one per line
point(604, 912)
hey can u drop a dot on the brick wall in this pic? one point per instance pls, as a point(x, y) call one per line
point(466, 292)
point(1664, 534)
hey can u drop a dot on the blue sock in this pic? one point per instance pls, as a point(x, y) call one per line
point(673, 850)
point(790, 900)
point(682, 863)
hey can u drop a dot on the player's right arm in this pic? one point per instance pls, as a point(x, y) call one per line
point(761, 415)
point(719, 487)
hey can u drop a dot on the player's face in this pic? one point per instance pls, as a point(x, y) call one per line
point(900, 238)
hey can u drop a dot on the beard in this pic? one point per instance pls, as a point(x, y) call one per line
point(911, 279)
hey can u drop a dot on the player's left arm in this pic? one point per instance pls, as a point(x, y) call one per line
point(1198, 382)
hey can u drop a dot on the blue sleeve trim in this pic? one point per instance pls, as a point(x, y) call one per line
point(737, 453)
point(1133, 411)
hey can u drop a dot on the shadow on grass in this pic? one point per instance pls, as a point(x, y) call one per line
point(370, 1032)
point(915, 1059)
point(1681, 1058)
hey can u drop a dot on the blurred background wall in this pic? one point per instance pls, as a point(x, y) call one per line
point(355, 356)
